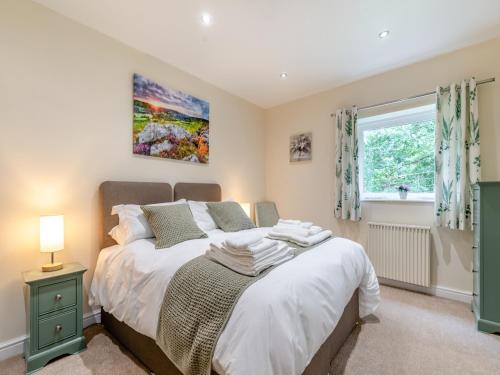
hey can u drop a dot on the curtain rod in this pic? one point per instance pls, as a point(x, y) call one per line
point(489, 80)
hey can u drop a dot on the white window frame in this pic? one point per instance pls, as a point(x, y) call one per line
point(389, 120)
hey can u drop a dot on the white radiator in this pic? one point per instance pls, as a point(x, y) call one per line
point(400, 252)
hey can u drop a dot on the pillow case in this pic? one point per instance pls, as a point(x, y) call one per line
point(132, 224)
point(229, 216)
point(202, 216)
point(118, 235)
point(172, 224)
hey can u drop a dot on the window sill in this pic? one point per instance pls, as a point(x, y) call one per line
point(404, 201)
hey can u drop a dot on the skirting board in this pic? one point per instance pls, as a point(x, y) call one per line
point(15, 346)
point(434, 290)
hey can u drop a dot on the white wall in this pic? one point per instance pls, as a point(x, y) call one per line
point(306, 190)
point(66, 126)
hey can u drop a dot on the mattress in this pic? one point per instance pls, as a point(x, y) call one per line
point(279, 322)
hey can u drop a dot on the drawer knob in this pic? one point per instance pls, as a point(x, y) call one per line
point(58, 328)
point(59, 297)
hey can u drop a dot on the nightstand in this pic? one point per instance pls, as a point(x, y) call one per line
point(54, 314)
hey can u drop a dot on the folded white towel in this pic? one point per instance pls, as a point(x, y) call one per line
point(250, 258)
point(259, 251)
point(289, 221)
point(301, 240)
point(268, 257)
point(242, 241)
point(297, 230)
point(247, 266)
point(291, 230)
point(306, 224)
point(315, 230)
point(245, 270)
point(251, 250)
point(296, 223)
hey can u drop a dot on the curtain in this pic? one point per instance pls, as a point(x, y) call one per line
point(458, 161)
point(347, 197)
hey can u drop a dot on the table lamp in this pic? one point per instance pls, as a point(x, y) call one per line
point(246, 208)
point(51, 239)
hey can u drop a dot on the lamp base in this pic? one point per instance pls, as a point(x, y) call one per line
point(49, 267)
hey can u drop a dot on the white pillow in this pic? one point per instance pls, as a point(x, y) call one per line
point(118, 235)
point(132, 224)
point(201, 215)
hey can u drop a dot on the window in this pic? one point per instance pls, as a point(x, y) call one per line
point(396, 149)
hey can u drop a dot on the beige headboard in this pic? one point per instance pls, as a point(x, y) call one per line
point(197, 192)
point(121, 192)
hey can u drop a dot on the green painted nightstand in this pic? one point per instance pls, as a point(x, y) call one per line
point(54, 314)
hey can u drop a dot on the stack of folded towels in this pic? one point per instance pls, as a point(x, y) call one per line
point(249, 254)
point(300, 232)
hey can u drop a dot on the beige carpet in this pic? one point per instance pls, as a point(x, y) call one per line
point(410, 334)
point(418, 334)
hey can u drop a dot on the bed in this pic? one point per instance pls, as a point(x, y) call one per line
point(129, 280)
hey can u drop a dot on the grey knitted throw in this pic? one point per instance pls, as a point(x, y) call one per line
point(197, 305)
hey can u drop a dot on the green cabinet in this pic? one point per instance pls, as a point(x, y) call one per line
point(54, 314)
point(486, 258)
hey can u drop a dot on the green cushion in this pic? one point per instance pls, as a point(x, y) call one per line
point(172, 224)
point(229, 216)
point(266, 214)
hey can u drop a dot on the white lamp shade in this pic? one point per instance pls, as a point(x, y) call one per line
point(246, 208)
point(51, 233)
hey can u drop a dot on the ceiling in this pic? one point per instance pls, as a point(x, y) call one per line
point(321, 44)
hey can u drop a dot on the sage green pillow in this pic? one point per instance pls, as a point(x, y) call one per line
point(229, 216)
point(172, 224)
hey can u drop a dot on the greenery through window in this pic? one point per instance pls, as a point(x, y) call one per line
point(397, 151)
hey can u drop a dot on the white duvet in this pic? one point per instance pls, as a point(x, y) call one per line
point(279, 322)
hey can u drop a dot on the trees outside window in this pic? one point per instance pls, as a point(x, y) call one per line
point(397, 149)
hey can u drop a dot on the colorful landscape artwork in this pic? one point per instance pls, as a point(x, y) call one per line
point(169, 124)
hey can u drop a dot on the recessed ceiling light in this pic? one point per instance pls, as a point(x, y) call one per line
point(206, 19)
point(284, 75)
point(383, 34)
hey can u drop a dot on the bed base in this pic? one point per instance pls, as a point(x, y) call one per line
point(146, 351)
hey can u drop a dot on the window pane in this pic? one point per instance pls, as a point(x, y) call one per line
point(399, 155)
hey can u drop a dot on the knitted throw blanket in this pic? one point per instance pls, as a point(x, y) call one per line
point(197, 305)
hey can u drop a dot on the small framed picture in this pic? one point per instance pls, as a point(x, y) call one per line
point(301, 147)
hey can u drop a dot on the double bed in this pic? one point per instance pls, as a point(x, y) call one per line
point(292, 321)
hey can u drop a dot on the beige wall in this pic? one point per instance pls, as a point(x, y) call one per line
point(66, 110)
point(306, 190)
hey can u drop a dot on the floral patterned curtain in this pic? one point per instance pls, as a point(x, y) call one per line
point(458, 161)
point(347, 170)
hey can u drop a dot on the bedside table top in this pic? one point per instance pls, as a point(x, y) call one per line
point(38, 274)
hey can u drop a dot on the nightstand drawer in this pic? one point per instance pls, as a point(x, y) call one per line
point(56, 296)
point(56, 328)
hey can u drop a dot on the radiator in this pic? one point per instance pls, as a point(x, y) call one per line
point(400, 252)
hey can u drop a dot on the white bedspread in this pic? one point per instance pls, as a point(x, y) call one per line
point(278, 323)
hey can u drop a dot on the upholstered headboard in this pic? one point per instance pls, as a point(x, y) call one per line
point(120, 192)
point(197, 192)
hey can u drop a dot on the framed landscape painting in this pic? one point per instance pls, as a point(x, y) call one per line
point(169, 124)
point(301, 147)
